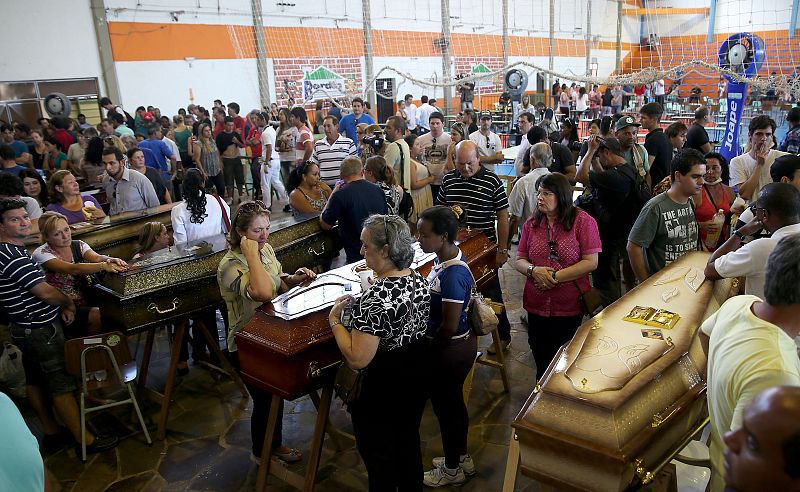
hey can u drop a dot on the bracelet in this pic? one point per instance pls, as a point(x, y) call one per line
point(739, 234)
point(503, 251)
point(334, 323)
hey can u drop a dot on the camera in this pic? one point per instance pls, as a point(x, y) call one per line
point(374, 141)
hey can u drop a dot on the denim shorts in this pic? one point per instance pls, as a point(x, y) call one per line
point(43, 357)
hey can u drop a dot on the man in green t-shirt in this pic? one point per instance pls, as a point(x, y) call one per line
point(666, 228)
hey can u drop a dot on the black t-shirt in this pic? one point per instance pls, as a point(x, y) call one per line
point(612, 189)
point(658, 146)
point(350, 206)
point(696, 137)
point(562, 158)
point(224, 140)
point(158, 183)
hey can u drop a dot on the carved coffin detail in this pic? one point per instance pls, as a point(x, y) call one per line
point(589, 420)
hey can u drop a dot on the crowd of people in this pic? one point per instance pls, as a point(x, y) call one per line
point(383, 186)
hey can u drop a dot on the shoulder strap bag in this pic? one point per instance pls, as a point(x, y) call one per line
point(406, 207)
point(480, 315)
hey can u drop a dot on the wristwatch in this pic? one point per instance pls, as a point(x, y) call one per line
point(739, 234)
point(503, 251)
point(529, 273)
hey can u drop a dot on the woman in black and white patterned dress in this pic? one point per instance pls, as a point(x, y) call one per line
point(386, 336)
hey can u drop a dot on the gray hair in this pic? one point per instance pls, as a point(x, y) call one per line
point(782, 282)
point(393, 231)
point(541, 155)
point(351, 166)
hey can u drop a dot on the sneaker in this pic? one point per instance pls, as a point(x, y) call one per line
point(102, 442)
point(439, 477)
point(287, 208)
point(466, 464)
point(506, 344)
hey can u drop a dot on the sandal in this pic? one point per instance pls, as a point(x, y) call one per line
point(292, 456)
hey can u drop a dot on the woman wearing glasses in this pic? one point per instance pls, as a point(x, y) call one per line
point(557, 250)
point(385, 335)
point(249, 275)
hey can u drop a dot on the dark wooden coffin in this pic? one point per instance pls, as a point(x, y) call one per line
point(614, 405)
point(170, 284)
point(116, 235)
point(288, 348)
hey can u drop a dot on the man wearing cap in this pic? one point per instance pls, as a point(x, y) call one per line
point(488, 142)
point(615, 209)
point(626, 130)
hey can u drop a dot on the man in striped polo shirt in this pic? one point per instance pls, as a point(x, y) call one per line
point(33, 308)
point(480, 193)
point(330, 152)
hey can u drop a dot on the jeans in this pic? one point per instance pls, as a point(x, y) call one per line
point(607, 278)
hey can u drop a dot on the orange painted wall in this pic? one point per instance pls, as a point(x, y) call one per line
point(138, 41)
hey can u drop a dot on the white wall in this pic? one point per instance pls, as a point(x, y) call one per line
point(166, 84)
point(48, 39)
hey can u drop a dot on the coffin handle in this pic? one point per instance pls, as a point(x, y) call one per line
point(153, 307)
point(314, 252)
point(314, 371)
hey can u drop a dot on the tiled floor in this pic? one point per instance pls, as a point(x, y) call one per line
point(208, 439)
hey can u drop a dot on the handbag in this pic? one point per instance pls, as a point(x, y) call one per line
point(481, 316)
point(591, 302)
point(226, 222)
point(84, 281)
point(348, 381)
point(406, 207)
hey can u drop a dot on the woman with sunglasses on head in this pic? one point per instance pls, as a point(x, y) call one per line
point(557, 250)
point(249, 275)
point(453, 347)
point(384, 334)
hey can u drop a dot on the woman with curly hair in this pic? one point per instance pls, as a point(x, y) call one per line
point(197, 216)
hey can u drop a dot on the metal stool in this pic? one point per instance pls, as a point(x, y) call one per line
point(95, 360)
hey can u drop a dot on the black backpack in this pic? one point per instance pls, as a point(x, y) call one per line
point(640, 193)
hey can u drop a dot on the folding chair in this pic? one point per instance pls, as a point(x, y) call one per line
point(96, 361)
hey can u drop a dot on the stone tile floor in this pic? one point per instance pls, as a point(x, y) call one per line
point(208, 434)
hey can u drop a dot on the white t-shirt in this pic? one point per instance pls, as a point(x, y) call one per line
point(435, 156)
point(44, 253)
point(750, 260)
point(269, 137)
point(522, 201)
point(582, 103)
point(173, 147)
point(746, 355)
point(524, 147)
point(411, 112)
point(32, 207)
point(183, 230)
point(488, 145)
point(658, 87)
point(743, 166)
point(424, 113)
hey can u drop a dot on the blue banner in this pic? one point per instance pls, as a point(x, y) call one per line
point(729, 146)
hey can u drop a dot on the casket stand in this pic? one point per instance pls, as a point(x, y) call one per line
point(288, 348)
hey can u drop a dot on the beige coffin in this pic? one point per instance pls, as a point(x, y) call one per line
point(612, 397)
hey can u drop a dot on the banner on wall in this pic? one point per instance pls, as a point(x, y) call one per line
point(322, 83)
point(729, 146)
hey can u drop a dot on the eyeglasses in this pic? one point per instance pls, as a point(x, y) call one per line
point(553, 246)
point(386, 229)
point(488, 142)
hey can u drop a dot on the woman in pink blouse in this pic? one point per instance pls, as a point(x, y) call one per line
point(557, 251)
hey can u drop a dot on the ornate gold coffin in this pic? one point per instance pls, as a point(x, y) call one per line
point(172, 283)
point(288, 347)
point(623, 393)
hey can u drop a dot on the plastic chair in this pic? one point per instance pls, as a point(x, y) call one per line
point(96, 361)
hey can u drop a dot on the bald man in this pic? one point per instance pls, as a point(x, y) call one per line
point(764, 453)
point(482, 195)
